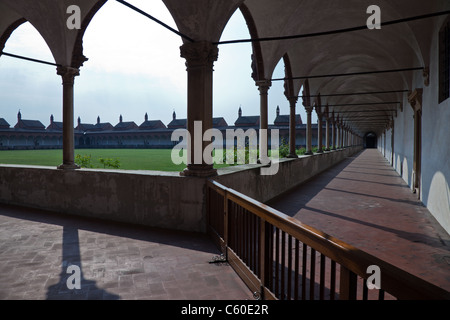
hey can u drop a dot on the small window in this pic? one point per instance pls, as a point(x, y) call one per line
point(444, 61)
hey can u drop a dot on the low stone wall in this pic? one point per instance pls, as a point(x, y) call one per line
point(149, 198)
point(291, 173)
point(157, 199)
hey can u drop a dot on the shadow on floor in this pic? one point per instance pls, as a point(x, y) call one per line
point(314, 186)
point(67, 288)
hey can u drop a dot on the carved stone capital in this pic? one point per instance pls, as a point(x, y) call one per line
point(319, 110)
point(263, 86)
point(415, 99)
point(199, 54)
point(292, 101)
point(305, 94)
point(68, 74)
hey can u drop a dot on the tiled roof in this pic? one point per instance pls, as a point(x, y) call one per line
point(3, 123)
point(125, 125)
point(152, 124)
point(177, 123)
point(247, 121)
point(30, 125)
point(284, 119)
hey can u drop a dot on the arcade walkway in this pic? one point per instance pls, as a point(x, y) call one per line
point(365, 203)
point(362, 201)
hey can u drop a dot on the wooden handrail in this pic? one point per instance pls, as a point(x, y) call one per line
point(395, 281)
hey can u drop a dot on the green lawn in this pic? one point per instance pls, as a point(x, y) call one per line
point(129, 159)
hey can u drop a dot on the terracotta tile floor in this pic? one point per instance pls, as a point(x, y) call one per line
point(365, 203)
point(116, 261)
point(362, 201)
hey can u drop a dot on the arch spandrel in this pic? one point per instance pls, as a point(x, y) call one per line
point(49, 17)
point(9, 21)
point(202, 20)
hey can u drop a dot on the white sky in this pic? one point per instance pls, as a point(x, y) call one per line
point(134, 67)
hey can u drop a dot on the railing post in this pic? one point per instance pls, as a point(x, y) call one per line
point(225, 223)
point(347, 287)
point(262, 255)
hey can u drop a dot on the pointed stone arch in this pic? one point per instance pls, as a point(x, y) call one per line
point(9, 30)
point(257, 59)
point(77, 54)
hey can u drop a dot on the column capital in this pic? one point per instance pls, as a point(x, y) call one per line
point(292, 101)
point(415, 99)
point(68, 74)
point(199, 54)
point(318, 110)
point(263, 85)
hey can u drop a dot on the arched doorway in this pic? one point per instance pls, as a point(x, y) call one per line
point(370, 140)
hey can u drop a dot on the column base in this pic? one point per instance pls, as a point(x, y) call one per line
point(308, 153)
point(319, 151)
point(68, 166)
point(258, 161)
point(199, 171)
point(292, 156)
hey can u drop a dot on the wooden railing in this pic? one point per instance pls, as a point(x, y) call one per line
point(278, 257)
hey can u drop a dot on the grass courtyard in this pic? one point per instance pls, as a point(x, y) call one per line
point(129, 159)
point(126, 159)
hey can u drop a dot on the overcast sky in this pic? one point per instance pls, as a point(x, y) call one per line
point(134, 67)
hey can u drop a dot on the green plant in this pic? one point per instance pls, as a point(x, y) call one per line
point(84, 161)
point(110, 162)
point(284, 149)
point(236, 152)
point(301, 151)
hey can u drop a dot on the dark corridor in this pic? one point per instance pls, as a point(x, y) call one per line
point(370, 140)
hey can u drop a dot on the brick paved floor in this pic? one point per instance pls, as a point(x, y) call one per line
point(117, 261)
point(365, 203)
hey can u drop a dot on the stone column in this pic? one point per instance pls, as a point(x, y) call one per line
point(392, 141)
point(263, 87)
point(68, 75)
point(327, 129)
point(345, 136)
point(333, 132)
point(319, 129)
point(200, 57)
point(338, 133)
point(292, 124)
point(308, 130)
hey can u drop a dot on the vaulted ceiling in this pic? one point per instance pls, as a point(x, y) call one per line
point(399, 46)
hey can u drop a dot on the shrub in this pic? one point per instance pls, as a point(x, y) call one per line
point(110, 163)
point(83, 161)
point(284, 149)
